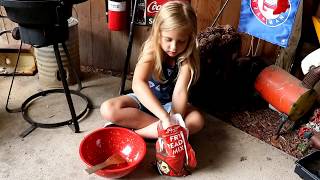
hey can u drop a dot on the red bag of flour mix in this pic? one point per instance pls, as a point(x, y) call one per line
point(174, 155)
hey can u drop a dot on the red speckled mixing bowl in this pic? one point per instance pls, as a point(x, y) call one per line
point(102, 143)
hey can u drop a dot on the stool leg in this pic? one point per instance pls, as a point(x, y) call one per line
point(66, 87)
point(72, 66)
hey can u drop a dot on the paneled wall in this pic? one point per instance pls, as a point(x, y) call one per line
point(99, 46)
point(107, 49)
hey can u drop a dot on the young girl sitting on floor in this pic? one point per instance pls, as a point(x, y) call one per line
point(167, 66)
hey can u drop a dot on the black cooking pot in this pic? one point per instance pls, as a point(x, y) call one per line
point(37, 11)
point(41, 22)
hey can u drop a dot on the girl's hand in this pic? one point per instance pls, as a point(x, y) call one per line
point(165, 120)
point(165, 123)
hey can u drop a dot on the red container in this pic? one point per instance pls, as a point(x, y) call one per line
point(117, 15)
point(284, 92)
point(102, 143)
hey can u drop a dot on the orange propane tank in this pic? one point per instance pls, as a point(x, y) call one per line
point(284, 92)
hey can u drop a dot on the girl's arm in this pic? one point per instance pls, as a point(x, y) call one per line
point(180, 92)
point(140, 87)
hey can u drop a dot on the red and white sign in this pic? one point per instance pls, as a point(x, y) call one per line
point(147, 9)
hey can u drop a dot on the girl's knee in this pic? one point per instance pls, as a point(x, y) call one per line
point(195, 122)
point(107, 110)
point(199, 121)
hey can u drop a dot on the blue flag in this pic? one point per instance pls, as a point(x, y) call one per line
point(257, 19)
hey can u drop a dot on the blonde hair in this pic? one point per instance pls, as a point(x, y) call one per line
point(173, 15)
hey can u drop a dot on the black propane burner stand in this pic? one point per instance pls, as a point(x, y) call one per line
point(43, 23)
point(73, 122)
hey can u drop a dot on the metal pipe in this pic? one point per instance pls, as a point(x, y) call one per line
point(221, 10)
point(5, 31)
point(126, 63)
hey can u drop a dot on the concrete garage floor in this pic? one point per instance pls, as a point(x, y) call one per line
point(223, 152)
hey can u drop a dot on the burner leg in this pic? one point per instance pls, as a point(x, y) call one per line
point(66, 88)
point(13, 75)
point(28, 131)
point(72, 66)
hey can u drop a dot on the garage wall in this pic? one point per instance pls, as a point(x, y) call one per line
point(106, 49)
point(102, 48)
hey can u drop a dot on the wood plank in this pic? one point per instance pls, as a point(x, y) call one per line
point(141, 34)
point(82, 12)
point(118, 42)
point(7, 24)
point(231, 13)
point(99, 33)
point(206, 12)
point(4, 38)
